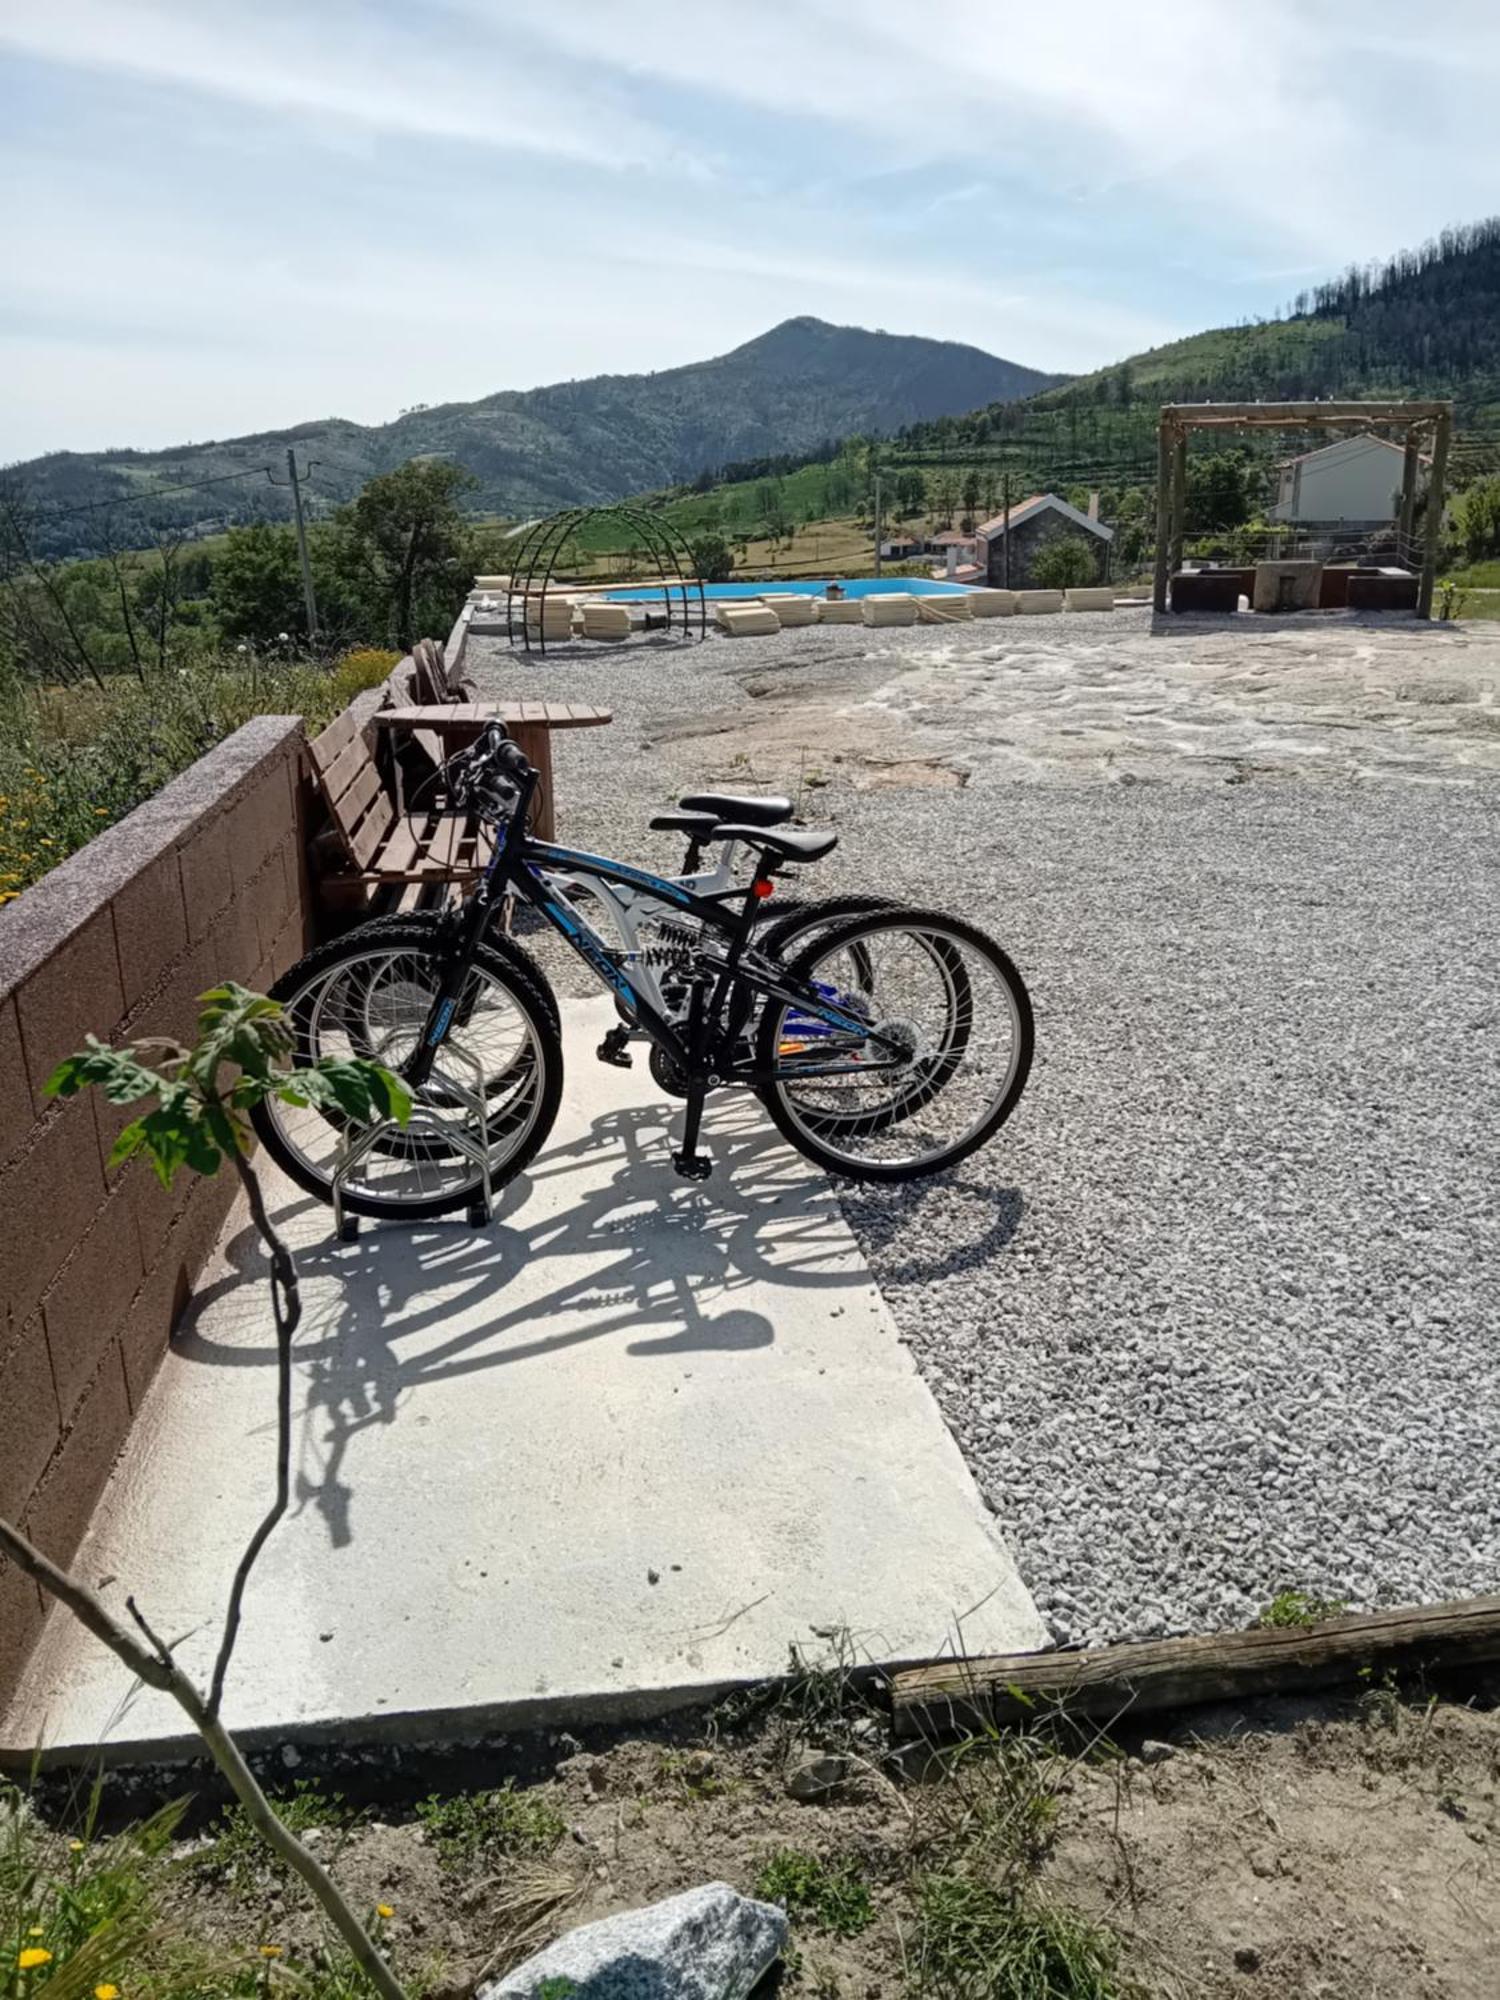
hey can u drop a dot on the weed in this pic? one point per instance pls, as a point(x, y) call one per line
point(827, 1895)
point(975, 1942)
point(239, 1856)
point(475, 1825)
point(691, 1775)
point(1292, 1609)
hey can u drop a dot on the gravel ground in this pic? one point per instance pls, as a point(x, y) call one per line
point(1217, 1313)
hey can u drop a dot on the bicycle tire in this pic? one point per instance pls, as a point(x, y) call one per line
point(502, 961)
point(845, 937)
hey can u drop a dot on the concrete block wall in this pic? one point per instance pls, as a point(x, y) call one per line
point(204, 882)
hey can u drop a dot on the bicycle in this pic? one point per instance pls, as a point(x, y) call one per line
point(856, 1030)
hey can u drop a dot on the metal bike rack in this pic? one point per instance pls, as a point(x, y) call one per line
point(352, 1151)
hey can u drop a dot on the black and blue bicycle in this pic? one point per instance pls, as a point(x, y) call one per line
point(885, 1042)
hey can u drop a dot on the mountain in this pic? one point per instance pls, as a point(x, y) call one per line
point(1425, 323)
point(584, 442)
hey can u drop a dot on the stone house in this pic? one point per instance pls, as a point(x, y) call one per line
point(1028, 527)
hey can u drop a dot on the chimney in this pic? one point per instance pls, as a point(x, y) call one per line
point(1094, 506)
point(951, 552)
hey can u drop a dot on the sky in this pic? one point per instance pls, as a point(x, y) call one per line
point(222, 217)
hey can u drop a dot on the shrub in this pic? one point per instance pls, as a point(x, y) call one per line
point(73, 760)
point(1064, 563)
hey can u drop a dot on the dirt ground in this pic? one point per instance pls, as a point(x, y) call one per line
point(1339, 1849)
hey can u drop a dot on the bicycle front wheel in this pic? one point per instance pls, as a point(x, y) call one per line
point(933, 1070)
point(484, 1111)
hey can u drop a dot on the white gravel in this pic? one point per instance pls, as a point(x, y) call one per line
point(1219, 1312)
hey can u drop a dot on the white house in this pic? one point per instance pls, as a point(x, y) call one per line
point(1355, 482)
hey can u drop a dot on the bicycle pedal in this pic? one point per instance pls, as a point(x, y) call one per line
point(614, 1053)
point(693, 1166)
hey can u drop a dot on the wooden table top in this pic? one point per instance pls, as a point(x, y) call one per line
point(475, 714)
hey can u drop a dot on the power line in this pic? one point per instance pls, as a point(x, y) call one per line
point(160, 493)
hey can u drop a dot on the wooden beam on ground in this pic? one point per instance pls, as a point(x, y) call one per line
point(1437, 493)
point(955, 1695)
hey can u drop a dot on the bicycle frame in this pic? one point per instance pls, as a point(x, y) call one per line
point(537, 870)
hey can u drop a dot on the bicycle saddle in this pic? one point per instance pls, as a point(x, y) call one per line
point(697, 825)
point(784, 845)
point(744, 811)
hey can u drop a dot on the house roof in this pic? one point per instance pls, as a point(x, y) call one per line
point(950, 537)
point(1339, 444)
point(1024, 509)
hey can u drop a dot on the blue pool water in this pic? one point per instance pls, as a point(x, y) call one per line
point(869, 586)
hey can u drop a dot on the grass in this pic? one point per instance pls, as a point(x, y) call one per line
point(74, 760)
point(89, 1915)
point(1290, 1610)
point(972, 1941)
point(830, 1896)
point(472, 1826)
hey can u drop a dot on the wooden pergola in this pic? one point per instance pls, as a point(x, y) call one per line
point(1420, 422)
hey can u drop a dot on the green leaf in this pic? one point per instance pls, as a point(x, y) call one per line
point(124, 1078)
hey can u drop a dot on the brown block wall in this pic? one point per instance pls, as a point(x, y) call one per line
point(204, 882)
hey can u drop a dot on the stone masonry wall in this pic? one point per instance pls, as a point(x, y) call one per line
point(204, 882)
point(1029, 538)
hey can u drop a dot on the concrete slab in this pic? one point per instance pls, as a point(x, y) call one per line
point(614, 1454)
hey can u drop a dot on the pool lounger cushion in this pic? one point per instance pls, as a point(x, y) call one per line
point(838, 611)
point(741, 620)
point(943, 611)
point(606, 621)
point(791, 608)
point(1091, 597)
point(992, 603)
point(1039, 600)
point(898, 607)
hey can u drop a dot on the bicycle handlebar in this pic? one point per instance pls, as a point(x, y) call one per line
point(490, 777)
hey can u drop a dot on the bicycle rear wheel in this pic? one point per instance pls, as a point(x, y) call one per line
point(936, 1069)
point(493, 1091)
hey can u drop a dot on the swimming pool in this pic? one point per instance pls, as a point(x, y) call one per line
point(867, 586)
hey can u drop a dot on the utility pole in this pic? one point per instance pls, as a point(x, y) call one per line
point(1005, 516)
point(877, 524)
point(307, 582)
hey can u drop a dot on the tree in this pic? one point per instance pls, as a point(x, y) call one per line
point(197, 1119)
point(911, 492)
point(973, 487)
point(945, 497)
point(713, 559)
point(257, 583)
point(1063, 563)
point(406, 547)
point(1476, 517)
point(1218, 491)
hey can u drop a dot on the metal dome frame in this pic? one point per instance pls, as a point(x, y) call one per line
point(531, 578)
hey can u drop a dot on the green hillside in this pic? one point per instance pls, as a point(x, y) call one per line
point(529, 451)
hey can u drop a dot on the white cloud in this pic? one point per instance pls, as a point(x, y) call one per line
point(337, 63)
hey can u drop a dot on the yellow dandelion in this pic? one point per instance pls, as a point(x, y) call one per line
point(384, 1910)
point(32, 1957)
point(77, 1846)
point(270, 1951)
point(37, 1930)
point(101, 812)
point(107, 1992)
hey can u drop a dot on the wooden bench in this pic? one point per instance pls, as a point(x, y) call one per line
point(396, 855)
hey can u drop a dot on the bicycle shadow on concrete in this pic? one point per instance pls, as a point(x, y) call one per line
point(638, 1252)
